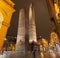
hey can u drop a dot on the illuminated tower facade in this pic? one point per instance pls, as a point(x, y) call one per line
point(26, 29)
point(32, 26)
point(20, 44)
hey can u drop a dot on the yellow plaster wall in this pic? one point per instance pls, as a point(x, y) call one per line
point(7, 11)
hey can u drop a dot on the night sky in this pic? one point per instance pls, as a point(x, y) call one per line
point(43, 23)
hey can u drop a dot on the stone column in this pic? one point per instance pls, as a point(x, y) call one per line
point(20, 44)
point(32, 26)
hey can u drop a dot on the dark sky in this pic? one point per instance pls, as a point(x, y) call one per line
point(43, 23)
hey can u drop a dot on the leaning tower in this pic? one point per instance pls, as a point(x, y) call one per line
point(32, 26)
point(20, 44)
point(26, 29)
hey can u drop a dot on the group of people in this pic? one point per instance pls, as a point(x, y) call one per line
point(52, 47)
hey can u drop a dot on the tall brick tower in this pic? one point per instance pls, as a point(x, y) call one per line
point(32, 26)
